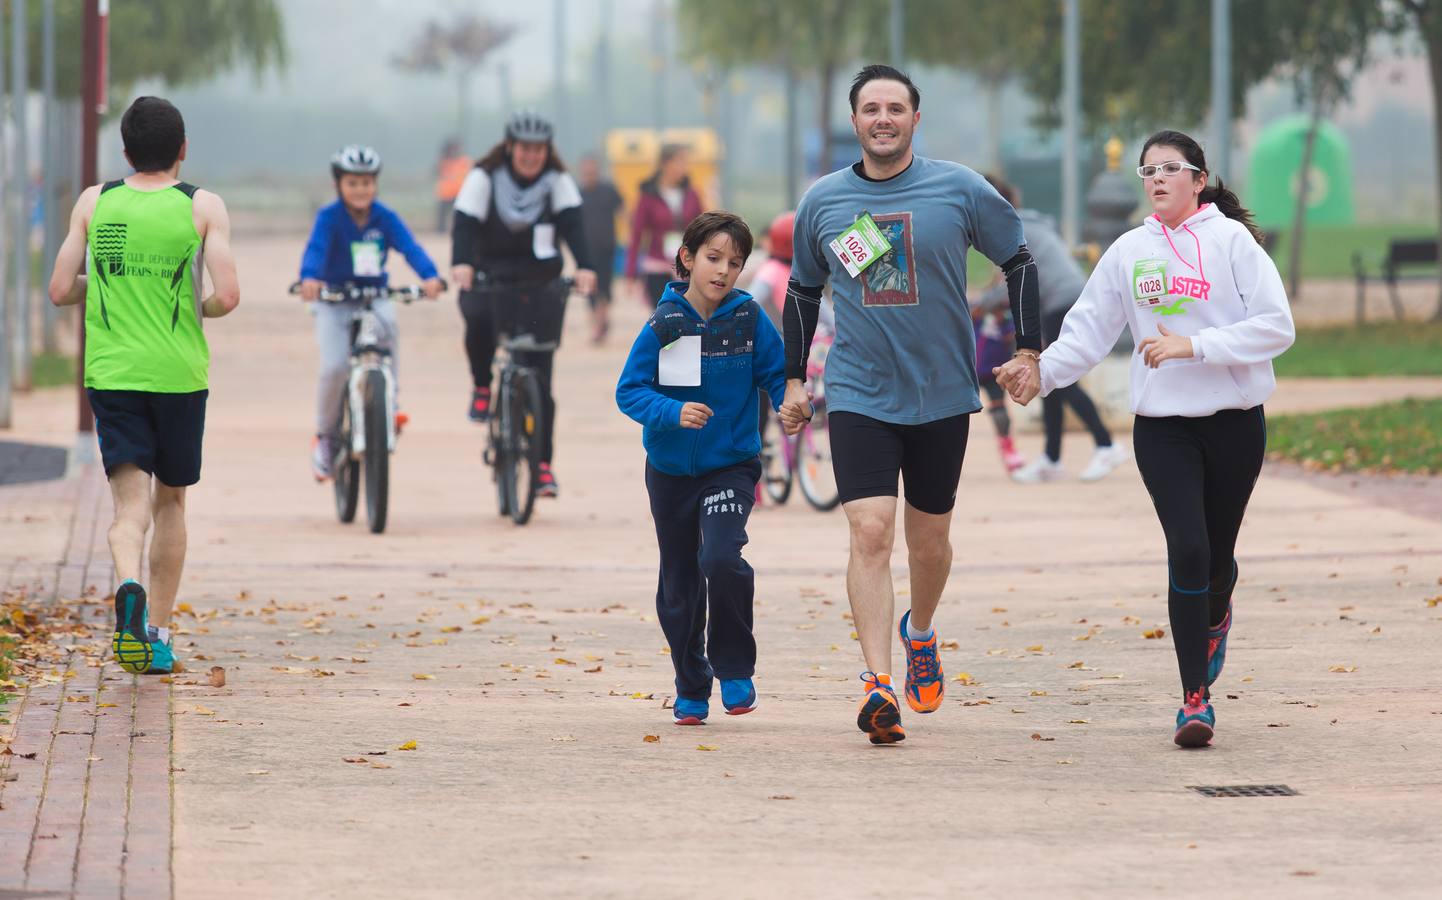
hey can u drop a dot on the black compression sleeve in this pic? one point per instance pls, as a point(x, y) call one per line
point(798, 324)
point(465, 239)
point(573, 231)
point(1023, 291)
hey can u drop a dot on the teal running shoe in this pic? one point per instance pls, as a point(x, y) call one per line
point(163, 653)
point(738, 695)
point(1196, 722)
point(1217, 646)
point(691, 712)
point(131, 641)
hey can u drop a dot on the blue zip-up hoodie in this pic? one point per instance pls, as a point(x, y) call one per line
point(329, 255)
point(740, 352)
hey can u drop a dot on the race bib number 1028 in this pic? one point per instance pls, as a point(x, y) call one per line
point(1149, 282)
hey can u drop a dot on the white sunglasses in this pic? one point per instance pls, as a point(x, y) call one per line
point(1167, 168)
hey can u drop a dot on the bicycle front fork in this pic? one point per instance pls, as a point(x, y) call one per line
point(356, 393)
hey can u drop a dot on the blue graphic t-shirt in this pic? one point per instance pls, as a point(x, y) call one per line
point(905, 352)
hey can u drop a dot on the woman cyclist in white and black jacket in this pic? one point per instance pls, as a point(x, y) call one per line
point(1208, 312)
point(512, 208)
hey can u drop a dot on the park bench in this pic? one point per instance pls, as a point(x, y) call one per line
point(1405, 252)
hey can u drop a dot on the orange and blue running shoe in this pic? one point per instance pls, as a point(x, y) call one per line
point(925, 688)
point(880, 716)
point(1217, 647)
point(131, 641)
point(1196, 721)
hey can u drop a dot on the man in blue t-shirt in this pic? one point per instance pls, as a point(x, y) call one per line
point(901, 375)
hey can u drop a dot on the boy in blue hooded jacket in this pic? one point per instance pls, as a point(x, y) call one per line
point(691, 380)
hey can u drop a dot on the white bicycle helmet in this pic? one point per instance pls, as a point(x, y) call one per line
point(355, 159)
point(529, 126)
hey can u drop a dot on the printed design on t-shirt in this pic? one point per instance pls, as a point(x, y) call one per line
point(109, 253)
point(1185, 290)
point(891, 280)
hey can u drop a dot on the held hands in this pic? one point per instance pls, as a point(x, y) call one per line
point(796, 408)
point(433, 288)
point(310, 289)
point(1021, 377)
point(1156, 350)
point(464, 276)
point(695, 415)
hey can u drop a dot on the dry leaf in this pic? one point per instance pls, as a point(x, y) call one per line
point(217, 676)
point(106, 706)
point(706, 747)
point(451, 629)
point(1154, 633)
point(562, 661)
point(408, 745)
point(354, 759)
point(1247, 678)
point(421, 676)
point(1037, 737)
point(202, 711)
point(1078, 721)
point(951, 645)
point(564, 739)
point(1342, 669)
point(998, 609)
point(1038, 693)
point(1035, 648)
point(258, 772)
point(1433, 601)
point(593, 671)
point(381, 765)
point(652, 738)
point(781, 797)
point(964, 678)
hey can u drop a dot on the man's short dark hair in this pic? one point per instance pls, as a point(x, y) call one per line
point(152, 132)
point(879, 72)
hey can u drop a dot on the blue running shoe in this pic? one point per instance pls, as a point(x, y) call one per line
point(163, 654)
point(925, 688)
point(738, 695)
point(691, 712)
point(1196, 722)
point(131, 641)
point(1217, 646)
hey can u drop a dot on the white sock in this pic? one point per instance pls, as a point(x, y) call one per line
point(161, 634)
point(916, 635)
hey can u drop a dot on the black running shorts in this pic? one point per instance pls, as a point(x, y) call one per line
point(160, 434)
point(869, 454)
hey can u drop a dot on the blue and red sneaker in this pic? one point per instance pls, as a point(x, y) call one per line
point(738, 695)
point(880, 715)
point(1217, 646)
point(1196, 721)
point(925, 688)
point(691, 712)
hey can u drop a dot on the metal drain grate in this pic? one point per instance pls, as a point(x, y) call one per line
point(1243, 790)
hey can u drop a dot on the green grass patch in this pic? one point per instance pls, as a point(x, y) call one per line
point(1383, 348)
point(1395, 437)
point(53, 370)
point(7, 671)
point(1327, 249)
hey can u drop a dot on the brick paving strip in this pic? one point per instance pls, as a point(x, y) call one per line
point(88, 813)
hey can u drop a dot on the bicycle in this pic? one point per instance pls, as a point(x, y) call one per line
point(517, 428)
point(806, 456)
point(367, 434)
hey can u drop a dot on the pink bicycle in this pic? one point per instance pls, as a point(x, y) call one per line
point(806, 456)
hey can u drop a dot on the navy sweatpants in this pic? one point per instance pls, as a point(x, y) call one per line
point(701, 528)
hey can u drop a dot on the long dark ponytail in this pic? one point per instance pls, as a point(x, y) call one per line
point(1216, 192)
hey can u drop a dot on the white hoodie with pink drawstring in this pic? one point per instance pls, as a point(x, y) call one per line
point(1209, 280)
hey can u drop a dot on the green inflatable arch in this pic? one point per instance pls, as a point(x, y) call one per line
point(1274, 177)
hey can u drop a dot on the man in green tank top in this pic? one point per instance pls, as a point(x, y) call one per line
point(134, 255)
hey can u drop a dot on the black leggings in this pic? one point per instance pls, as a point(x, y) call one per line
point(1072, 395)
point(1200, 473)
point(529, 309)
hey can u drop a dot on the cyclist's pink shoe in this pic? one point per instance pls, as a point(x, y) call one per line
point(402, 420)
point(1010, 458)
point(546, 482)
point(480, 410)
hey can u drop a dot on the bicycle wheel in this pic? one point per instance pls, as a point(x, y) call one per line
point(378, 452)
point(775, 465)
point(813, 463)
point(496, 456)
point(346, 468)
point(528, 427)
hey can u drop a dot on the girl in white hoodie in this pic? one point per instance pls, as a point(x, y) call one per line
point(1208, 314)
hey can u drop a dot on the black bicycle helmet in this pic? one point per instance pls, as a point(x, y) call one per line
point(529, 126)
point(355, 159)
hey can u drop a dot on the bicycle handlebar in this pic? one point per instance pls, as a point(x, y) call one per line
point(370, 292)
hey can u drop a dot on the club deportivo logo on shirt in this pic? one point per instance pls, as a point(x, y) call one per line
point(891, 280)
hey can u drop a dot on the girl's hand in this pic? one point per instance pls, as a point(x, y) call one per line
point(432, 288)
point(310, 289)
point(694, 415)
point(1156, 350)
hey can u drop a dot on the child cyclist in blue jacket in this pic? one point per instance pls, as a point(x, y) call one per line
point(348, 245)
point(692, 380)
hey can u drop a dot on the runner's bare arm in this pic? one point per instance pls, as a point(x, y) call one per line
point(67, 283)
point(214, 227)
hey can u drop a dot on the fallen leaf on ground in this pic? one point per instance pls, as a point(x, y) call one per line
point(1078, 721)
point(202, 711)
point(951, 645)
point(998, 609)
point(1342, 669)
point(1038, 693)
point(258, 772)
point(1247, 678)
point(408, 745)
point(640, 696)
point(1035, 648)
point(781, 797)
point(706, 747)
point(381, 765)
point(964, 678)
point(593, 671)
point(421, 676)
point(1077, 665)
point(564, 739)
point(354, 759)
point(652, 738)
point(1037, 737)
point(451, 629)
point(1433, 601)
point(106, 705)
point(217, 676)
point(562, 661)
point(1154, 633)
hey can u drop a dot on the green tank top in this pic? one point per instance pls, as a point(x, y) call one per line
point(142, 300)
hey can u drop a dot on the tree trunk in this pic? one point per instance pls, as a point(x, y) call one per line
point(1429, 22)
point(1299, 217)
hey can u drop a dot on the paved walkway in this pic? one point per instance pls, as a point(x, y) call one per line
point(459, 707)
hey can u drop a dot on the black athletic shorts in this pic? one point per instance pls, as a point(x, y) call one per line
point(160, 434)
point(868, 455)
